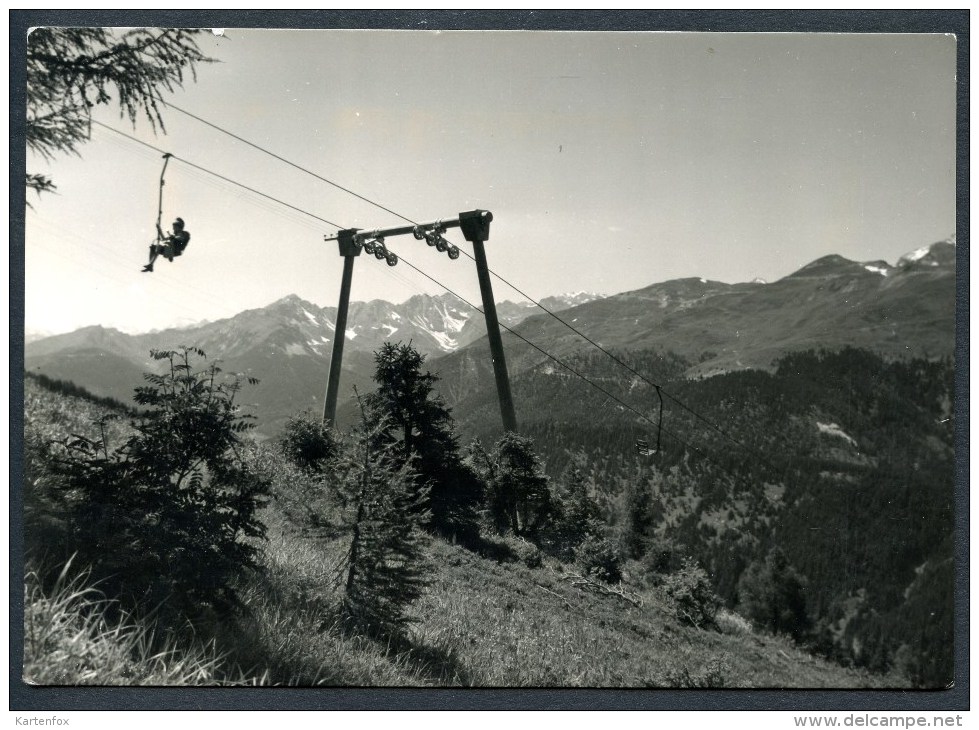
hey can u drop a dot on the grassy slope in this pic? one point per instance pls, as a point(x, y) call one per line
point(489, 624)
point(481, 623)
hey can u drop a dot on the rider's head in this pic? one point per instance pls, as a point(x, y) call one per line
point(178, 223)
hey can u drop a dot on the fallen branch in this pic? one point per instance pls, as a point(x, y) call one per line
point(548, 590)
point(587, 584)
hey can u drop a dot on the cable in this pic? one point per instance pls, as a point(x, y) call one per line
point(101, 269)
point(578, 332)
point(235, 183)
point(559, 362)
point(283, 159)
point(110, 256)
point(218, 175)
point(632, 370)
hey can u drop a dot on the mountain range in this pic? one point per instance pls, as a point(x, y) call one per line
point(901, 310)
point(286, 344)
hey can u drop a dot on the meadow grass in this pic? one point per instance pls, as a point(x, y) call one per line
point(73, 635)
point(485, 623)
point(481, 623)
point(506, 625)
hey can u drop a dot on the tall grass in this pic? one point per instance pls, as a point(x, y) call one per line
point(73, 635)
point(291, 632)
point(481, 624)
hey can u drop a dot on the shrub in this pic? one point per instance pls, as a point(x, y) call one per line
point(729, 622)
point(520, 499)
point(598, 558)
point(526, 552)
point(163, 522)
point(305, 501)
point(692, 596)
point(663, 557)
point(309, 443)
point(575, 517)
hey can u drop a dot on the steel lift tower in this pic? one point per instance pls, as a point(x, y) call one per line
point(475, 225)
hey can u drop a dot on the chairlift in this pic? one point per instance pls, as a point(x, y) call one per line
point(168, 246)
point(642, 446)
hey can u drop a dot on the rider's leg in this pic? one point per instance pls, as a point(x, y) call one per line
point(154, 252)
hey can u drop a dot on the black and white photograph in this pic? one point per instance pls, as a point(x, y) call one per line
point(419, 358)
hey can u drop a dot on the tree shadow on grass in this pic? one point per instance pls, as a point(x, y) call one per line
point(441, 664)
point(491, 549)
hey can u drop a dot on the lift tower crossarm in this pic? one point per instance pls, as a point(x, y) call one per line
point(403, 230)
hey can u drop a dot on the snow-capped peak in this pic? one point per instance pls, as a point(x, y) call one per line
point(876, 269)
point(917, 254)
point(309, 316)
point(937, 254)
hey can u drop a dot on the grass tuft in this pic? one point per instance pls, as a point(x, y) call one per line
point(73, 635)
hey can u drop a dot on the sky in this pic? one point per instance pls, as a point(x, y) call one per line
point(610, 161)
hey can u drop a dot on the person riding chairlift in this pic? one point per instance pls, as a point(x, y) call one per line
point(173, 244)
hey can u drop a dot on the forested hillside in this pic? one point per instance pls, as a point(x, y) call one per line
point(841, 461)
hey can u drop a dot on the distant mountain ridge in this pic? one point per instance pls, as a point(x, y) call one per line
point(434, 324)
point(903, 310)
point(287, 344)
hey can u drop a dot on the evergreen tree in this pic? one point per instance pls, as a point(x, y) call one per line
point(638, 524)
point(386, 568)
point(70, 70)
point(410, 417)
point(927, 618)
point(579, 511)
point(519, 496)
point(576, 515)
point(773, 594)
